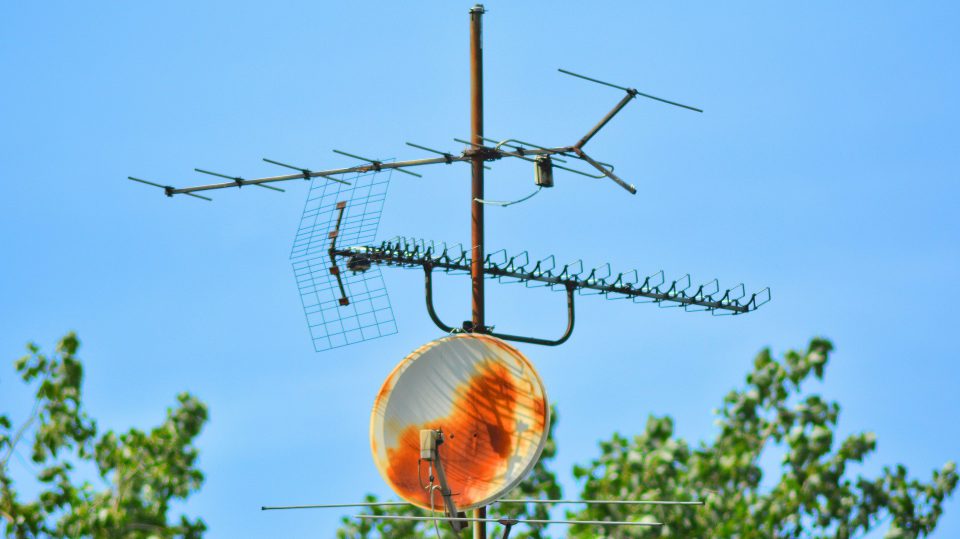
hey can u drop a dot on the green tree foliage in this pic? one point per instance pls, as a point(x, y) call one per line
point(541, 483)
point(814, 496)
point(141, 472)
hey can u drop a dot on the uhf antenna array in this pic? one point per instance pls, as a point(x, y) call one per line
point(405, 252)
point(336, 260)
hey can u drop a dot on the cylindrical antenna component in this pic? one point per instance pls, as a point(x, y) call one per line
point(544, 171)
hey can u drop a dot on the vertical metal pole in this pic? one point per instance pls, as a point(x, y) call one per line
point(476, 208)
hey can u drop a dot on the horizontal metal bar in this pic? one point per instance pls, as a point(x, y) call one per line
point(391, 254)
point(631, 91)
point(366, 168)
point(236, 179)
point(324, 173)
point(601, 502)
point(511, 521)
point(333, 505)
point(517, 501)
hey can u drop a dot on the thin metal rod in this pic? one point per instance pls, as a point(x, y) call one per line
point(504, 520)
point(607, 173)
point(517, 501)
point(476, 194)
point(602, 502)
point(236, 179)
point(334, 505)
point(361, 169)
point(506, 203)
point(603, 121)
point(631, 90)
point(572, 74)
point(146, 182)
point(168, 190)
point(431, 150)
point(303, 170)
point(375, 163)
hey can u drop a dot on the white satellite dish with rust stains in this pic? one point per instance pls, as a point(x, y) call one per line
point(488, 400)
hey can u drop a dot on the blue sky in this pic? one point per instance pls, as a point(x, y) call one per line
point(825, 167)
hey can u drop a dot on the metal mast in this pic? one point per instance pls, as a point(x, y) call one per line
point(476, 207)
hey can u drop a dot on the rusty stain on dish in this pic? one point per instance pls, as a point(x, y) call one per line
point(488, 400)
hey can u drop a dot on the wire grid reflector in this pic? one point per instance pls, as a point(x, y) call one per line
point(368, 314)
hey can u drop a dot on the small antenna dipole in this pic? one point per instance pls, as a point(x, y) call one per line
point(307, 173)
point(631, 91)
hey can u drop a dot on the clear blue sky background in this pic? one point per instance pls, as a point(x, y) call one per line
point(825, 166)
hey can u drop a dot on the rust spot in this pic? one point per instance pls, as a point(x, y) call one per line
point(481, 433)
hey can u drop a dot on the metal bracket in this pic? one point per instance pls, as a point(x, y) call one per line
point(507, 524)
point(483, 152)
point(430, 442)
point(428, 294)
point(428, 289)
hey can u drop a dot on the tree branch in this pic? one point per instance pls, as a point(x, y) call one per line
point(20, 432)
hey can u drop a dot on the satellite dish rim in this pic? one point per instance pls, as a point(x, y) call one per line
point(537, 452)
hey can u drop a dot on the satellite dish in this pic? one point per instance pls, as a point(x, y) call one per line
point(488, 401)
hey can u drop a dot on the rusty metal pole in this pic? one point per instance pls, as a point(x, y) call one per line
point(476, 208)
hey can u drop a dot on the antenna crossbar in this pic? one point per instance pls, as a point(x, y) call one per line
point(487, 153)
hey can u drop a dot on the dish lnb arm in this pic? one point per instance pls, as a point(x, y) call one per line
point(430, 441)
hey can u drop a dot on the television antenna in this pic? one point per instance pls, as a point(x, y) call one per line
point(337, 265)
